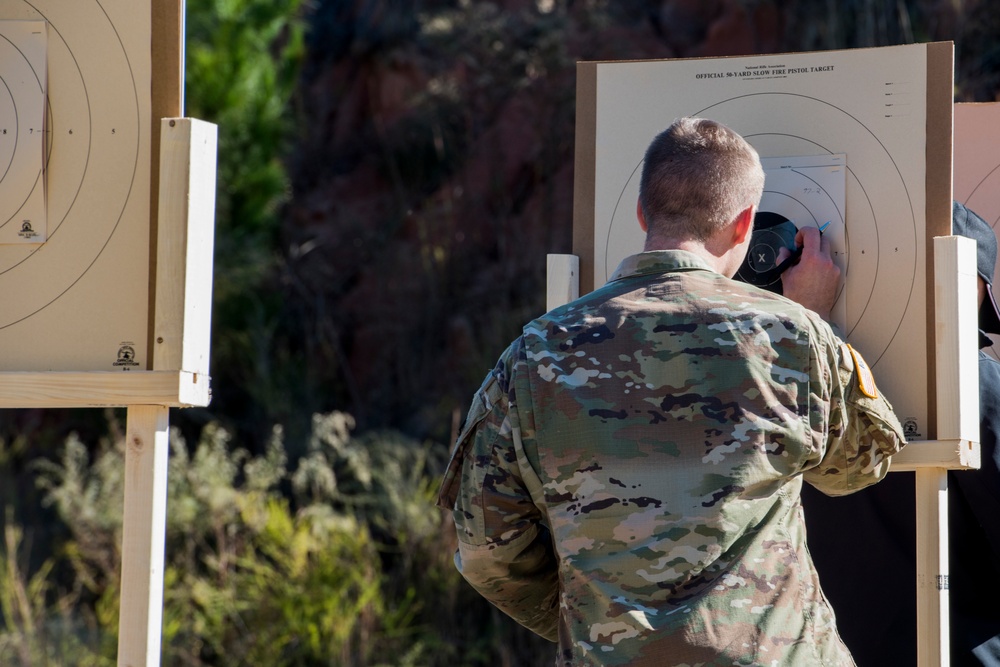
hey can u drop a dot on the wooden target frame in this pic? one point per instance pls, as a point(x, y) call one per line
point(144, 223)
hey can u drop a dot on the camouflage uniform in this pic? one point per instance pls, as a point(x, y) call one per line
point(627, 481)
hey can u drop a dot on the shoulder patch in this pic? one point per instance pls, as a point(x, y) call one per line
point(866, 381)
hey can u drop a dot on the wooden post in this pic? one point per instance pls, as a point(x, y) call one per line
point(143, 534)
point(957, 380)
point(932, 567)
point(562, 280)
point(185, 245)
point(181, 326)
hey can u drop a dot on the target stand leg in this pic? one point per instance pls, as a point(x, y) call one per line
point(932, 568)
point(143, 536)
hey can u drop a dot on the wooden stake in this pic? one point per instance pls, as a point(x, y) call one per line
point(956, 375)
point(143, 536)
point(562, 280)
point(932, 567)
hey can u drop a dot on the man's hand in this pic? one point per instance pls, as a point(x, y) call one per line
point(813, 281)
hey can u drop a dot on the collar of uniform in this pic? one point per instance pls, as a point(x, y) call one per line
point(659, 261)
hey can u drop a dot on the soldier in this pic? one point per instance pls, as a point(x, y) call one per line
point(627, 482)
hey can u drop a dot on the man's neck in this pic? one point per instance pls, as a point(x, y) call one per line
point(720, 262)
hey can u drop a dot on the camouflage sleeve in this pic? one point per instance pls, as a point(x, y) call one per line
point(505, 551)
point(853, 423)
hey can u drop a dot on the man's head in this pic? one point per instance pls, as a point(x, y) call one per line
point(966, 223)
point(698, 176)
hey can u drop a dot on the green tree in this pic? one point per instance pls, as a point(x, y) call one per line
point(243, 59)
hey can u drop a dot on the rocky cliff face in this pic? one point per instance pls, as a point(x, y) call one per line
point(435, 171)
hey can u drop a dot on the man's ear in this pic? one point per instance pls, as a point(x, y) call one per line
point(640, 216)
point(743, 225)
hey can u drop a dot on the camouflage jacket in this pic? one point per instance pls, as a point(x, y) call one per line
point(628, 478)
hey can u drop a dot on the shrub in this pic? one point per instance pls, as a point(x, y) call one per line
point(342, 560)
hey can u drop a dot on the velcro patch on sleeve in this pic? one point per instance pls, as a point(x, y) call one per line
point(846, 361)
point(866, 381)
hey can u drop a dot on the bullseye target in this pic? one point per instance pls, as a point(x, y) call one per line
point(772, 233)
point(865, 307)
point(843, 138)
point(880, 265)
point(75, 300)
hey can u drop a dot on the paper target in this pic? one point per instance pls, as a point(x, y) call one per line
point(76, 300)
point(977, 171)
point(880, 250)
point(866, 107)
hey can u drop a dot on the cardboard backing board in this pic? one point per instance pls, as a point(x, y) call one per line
point(977, 170)
point(888, 110)
point(81, 300)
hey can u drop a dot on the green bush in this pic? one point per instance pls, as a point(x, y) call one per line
point(342, 560)
point(241, 71)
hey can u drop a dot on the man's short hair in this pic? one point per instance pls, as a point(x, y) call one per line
point(698, 175)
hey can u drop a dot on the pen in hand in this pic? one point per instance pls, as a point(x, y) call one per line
point(794, 257)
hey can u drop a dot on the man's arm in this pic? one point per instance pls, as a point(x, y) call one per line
point(854, 425)
point(853, 417)
point(504, 548)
